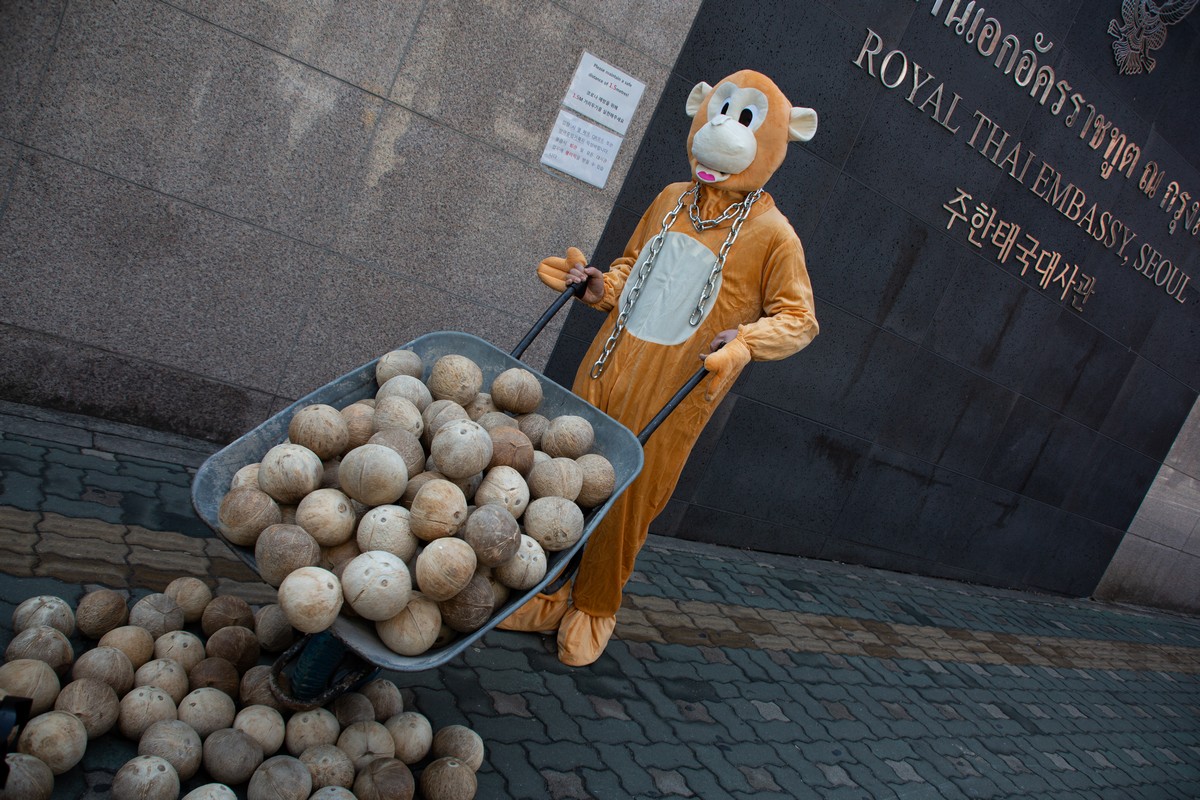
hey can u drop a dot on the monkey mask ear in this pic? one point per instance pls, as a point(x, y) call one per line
point(695, 100)
point(801, 127)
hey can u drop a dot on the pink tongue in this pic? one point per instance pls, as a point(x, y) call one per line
point(706, 176)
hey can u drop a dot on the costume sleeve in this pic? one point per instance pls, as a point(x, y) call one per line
point(618, 271)
point(789, 322)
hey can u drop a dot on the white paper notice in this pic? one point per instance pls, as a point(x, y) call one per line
point(581, 149)
point(603, 93)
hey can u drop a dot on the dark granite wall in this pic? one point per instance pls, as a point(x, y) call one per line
point(953, 418)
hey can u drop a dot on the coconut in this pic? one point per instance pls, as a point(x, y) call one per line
point(192, 595)
point(327, 516)
point(413, 630)
point(329, 474)
point(328, 766)
point(133, 640)
point(461, 449)
point(500, 592)
point(568, 436)
point(311, 598)
point(460, 742)
point(398, 362)
point(556, 477)
point(146, 778)
point(99, 612)
point(359, 421)
point(437, 415)
point(332, 793)
point(517, 390)
point(384, 779)
point(482, 404)
point(511, 448)
point(387, 528)
point(444, 568)
point(455, 377)
point(373, 474)
point(207, 709)
point(493, 534)
point(396, 412)
point(244, 512)
point(263, 724)
point(599, 480)
point(337, 557)
point(42, 643)
point(175, 742)
point(231, 756)
point(30, 779)
point(468, 610)
point(157, 613)
point(385, 698)
point(224, 611)
point(503, 486)
point(308, 729)
point(275, 633)
point(407, 386)
point(438, 510)
point(448, 779)
point(352, 707)
point(533, 425)
point(365, 741)
point(280, 778)
point(377, 585)
point(320, 428)
point(255, 688)
point(211, 791)
point(107, 664)
point(214, 673)
point(412, 734)
point(46, 609)
point(57, 738)
point(415, 484)
point(34, 679)
point(141, 708)
point(555, 522)
point(246, 476)
point(406, 444)
point(496, 420)
point(168, 675)
point(526, 568)
point(236, 644)
point(182, 647)
point(282, 549)
point(290, 471)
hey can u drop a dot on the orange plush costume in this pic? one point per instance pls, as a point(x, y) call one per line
point(759, 307)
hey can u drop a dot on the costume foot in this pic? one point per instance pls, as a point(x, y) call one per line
point(541, 614)
point(582, 637)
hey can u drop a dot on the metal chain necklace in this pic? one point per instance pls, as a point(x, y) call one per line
point(738, 211)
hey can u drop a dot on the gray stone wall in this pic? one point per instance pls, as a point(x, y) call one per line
point(209, 208)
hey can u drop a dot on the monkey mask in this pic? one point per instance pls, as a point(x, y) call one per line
point(741, 129)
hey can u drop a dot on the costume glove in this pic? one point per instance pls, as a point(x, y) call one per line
point(725, 365)
point(553, 270)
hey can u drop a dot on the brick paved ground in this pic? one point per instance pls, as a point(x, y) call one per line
point(735, 674)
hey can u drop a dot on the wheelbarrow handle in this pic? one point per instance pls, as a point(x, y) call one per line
point(572, 290)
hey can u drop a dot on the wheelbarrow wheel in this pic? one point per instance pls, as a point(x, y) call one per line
point(322, 669)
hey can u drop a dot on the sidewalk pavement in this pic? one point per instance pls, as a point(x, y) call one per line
point(734, 674)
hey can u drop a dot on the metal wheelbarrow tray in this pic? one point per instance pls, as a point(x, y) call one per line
point(613, 441)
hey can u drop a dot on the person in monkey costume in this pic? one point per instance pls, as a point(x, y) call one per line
point(713, 271)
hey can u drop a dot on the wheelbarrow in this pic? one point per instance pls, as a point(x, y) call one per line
point(320, 667)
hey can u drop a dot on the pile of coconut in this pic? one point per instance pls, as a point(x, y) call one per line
point(198, 700)
point(418, 510)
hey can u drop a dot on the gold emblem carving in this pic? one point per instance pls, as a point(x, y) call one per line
point(1142, 30)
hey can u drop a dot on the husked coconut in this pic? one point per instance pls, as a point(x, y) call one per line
point(30, 779)
point(511, 448)
point(412, 734)
point(396, 412)
point(192, 595)
point(264, 725)
point(408, 387)
point(366, 741)
point(461, 449)
point(398, 362)
point(107, 664)
point(377, 585)
point(493, 534)
point(311, 598)
point(231, 756)
point(406, 444)
point(224, 611)
point(46, 609)
point(387, 528)
point(448, 779)
point(517, 390)
point(141, 708)
point(215, 673)
point(182, 647)
point(327, 515)
point(42, 643)
point(211, 791)
point(482, 404)
point(37, 680)
point(246, 476)
point(414, 630)
point(145, 778)
point(384, 779)
point(57, 738)
point(289, 472)
point(360, 423)
point(444, 568)
point(437, 415)
point(438, 510)
point(525, 569)
point(455, 377)
point(176, 743)
point(352, 707)
point(255, 688)
point(236, 644)
point(460, 742)
point(280, 778)
point(207, 710)
point(599, 480)
point(244, 513)
point(568, 436)
point(281, 549)
point(385, 698)
point(556, 477)
point(555, 522)
point(321, 428)
point(337, 557)
point(533, 425)
point(495, 420)
point(307, 729)
point(134, 641)
point(158, 613)
point(99, 611)
point(373, 474)
point(468, 610)
point(168, 675)
point(504, 486)
point(275, 633)
point(328, 766)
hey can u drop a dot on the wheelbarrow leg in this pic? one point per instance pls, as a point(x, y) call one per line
point(323, 669)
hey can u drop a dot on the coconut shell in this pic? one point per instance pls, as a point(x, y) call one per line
point(255, 688)
point(360, 423)
point(246, 476)
point(145, 778)
point(438, 510)
point(366, 741)
point(352, 707)
point(236, 644)
point(264, 725)
point(448, 779)
point(182, 647)
point(408, 387)
point(311, 728)
point(48, 610)
point(412, 631)
point(568, 436)
point(455, 377)
point(412, 734)
point(327, 515)
point(517, 390)
point(385, 698)
point(555, 477)
point(311, 598)
point(495, 420)
point(599, 480)
point(192, 594)
point(397, 412)
point(215, 673)
point(141, 708)
point(207, 710)
point(482, 404)
point(30, 779)
point(533, 425)
point(471, 608)
point(56, 738)
point(493, 534)
point(460, 742)
point(504, 486)
point(337, 557)
point(275, 633)
point(107, 664)
point(37, 680)
point(328, 766)
point(437, 415)
point(320, 428)
point(555, 522)
point(280, 778)
point(526, 568)
point(289, 472)
point(373, 474)
point(100, 611)
point(43, 643)
point(134, 641)
point(384, 779)
point(245, 512)
point(406, 444)
point(282, 549)
point(388, 528)
point(398, 362)
point(224, 611)
point(377, 585)
point(211, 791)
point(158, 613)
point(511, 448)
point(168, 675)
point(176, 743)
point(444, 568)
point(231, 756)
point(461, 449)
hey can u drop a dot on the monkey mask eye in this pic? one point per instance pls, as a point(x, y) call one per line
point(747, 106)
